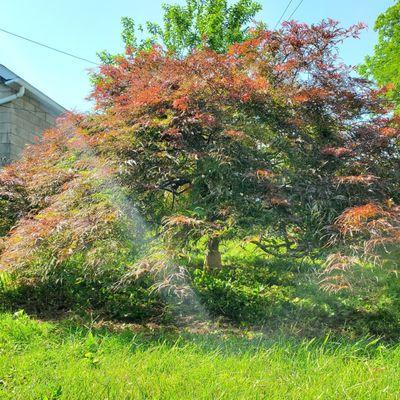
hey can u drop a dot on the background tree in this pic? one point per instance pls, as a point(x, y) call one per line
point(197, 24)
point(384, 65)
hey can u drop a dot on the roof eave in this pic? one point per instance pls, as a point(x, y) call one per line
point(52, 106)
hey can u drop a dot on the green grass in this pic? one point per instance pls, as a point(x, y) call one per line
point(41, 360)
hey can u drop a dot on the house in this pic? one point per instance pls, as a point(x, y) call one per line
point(25, 112)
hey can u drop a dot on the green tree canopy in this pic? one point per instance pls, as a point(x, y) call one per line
point(197, 24)
point(384, 64)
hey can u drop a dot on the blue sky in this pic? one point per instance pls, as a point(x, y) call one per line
point(84, 27)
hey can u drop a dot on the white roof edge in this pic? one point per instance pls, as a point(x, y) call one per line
point(46, 100)
point(10, 77)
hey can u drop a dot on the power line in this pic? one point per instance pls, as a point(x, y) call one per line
point(48, 47)
point(284, 12)
point(298, 5)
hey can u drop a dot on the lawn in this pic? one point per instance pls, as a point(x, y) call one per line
point(49, 360)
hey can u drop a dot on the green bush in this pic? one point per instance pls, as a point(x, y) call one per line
point(251, 287)
point(74, 288)
point(227, 292)
point(285, 294)
point(134, 302)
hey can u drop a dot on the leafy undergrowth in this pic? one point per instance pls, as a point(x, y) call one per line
point(251, 290)
point(42, 360)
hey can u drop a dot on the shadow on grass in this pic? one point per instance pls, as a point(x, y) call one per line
point(224, 341)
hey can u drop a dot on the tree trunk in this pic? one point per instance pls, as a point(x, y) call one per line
point(213, 255)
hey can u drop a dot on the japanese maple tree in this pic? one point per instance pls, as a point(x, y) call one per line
point(271, 140)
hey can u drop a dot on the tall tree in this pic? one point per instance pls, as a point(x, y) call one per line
point(197, 24)
point(384, 64)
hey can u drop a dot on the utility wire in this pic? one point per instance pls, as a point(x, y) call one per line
point(298, 5)
point(48, 47)
point(284, 12)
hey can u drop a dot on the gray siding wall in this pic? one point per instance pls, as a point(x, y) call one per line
point(20, 122)
point(5, 127)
